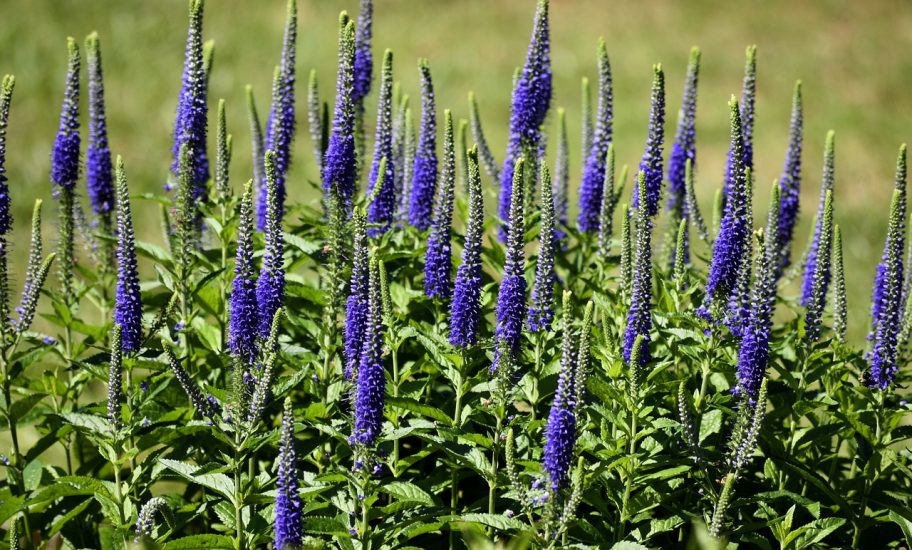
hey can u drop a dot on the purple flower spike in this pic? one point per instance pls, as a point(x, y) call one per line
point(424, 179)
point(6, 95)
point(339, 163)
point(192, 111)
point(746, 112)
point(280, 126)
point(356, 307)
point(65, 156)
point(271, 283)
point(363, 63)
point(128, 301)
point(790, 180)
point(511, 299)
point(288, 507)
point(684, 148)
point(370, 382)
point(464, 311)
point(438, 264)
point(244, 312)
point(99, 179)
point(826, 185)
point(541, 314)
point(651, 164)
point(592, 185)
point(383, 208)
point(531, 100)
point(639, 316)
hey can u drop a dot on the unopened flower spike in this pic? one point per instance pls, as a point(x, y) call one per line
point(639, 316)
point(739, 300)
point(438, 263)
point(203, 405)
point(192, 112)
point(485, 156)
point(99, 177)
point(262, 388)
point(683, 150)
point(606, 209)
point(746, 113)
point(464, 310)
point(541, 313)
point(817, 300)
point(35, 274)
point(790, 180)
point(840, 308)
point(356, 307)
point(370, 390)
point(115, 378)
point(222, 156)
point(128, 300)
point(588, 129)
point(753, 355)
point(886, 324)
point(382, 210)
point(271, 282)
point(65, 170)
point(257, 145)
point(315, 120)
point(409, 150)
point(733, 237)
point(280, 126)
point(826, 185)
point(530, 103)
point(592, 185)
point(339, 163)
point(561, 189)
point(462, 143)
point(145, 521)
point(651, 163)
point(680, 252)
point(398, 158)
point(243, 310)
point(693, 209)
point(288, 507)
point(626, 251)
point(424, 172)
point(6, 96)
point(511, 299)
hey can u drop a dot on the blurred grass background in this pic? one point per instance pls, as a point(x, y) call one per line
point(853, 58)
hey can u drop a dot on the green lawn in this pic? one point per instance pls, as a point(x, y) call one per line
point(853, 58)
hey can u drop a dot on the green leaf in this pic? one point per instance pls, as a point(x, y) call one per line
point(31, 475)
point(200, 542)
point(497, 521)
point(904, 524)
point(418, 408)
point(627, 545)
point(88, 422)
point(22, 406)
point(220, 483)
point(710, 424)
point(320, 525)
point(408, 492)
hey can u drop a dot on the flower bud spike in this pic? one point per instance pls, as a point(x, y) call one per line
point(464, 309)
point(438, 263)
point(594, 172)
point(128, 299)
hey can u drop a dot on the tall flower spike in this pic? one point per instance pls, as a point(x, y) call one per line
point(739, 300)
point(886, 325)
point(826, 185)
point(560, 432)
point(463, 144)
point(588, 130)
point(288, 508)
point(398, 158)
point(651, 164)
point(639, 316)
point(35, 273)
point(115, 378)
point(6, 95)
point(790, 180)
point(243, 310)
point(383, 208)
point(356, 307)
point(128, 301)
point(541, 314)
point(511, 299)
point(746, 112)
point(684, 150)
point(817, 300)
point(840, 308)
point(371, 379)
point(753, 355)
point(485, 155)
point(99, 179)
point(65, 156)
point(280, 126)
point(464, 310)
point(561, 189)
point(190, 123)
point(204, 406)
point(222, 156)
point(270, 290)
point(626, 251)
point(424, 175)
point(438, 263)
point(363, 64)
point(734, 231)
point(530, 103)
point(609, 201)
point(257, 146)
point(339, 163)
point(409, 150)
point(315, 120)
point(591, 187)
point(693, 208)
